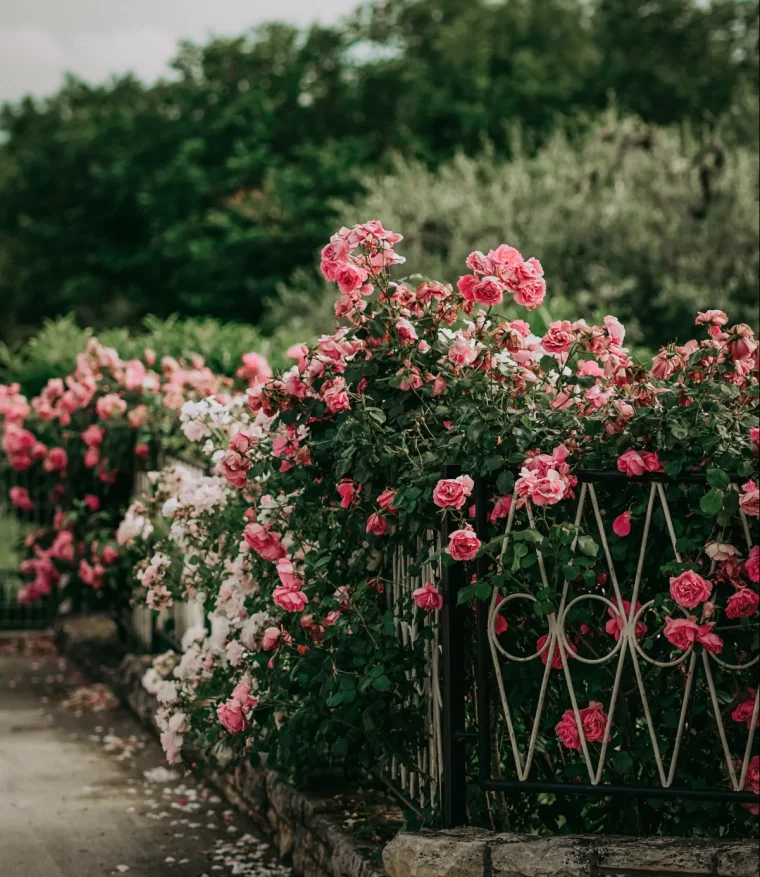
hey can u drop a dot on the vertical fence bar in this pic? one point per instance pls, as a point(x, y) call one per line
point(453, 627)
point(483, 656)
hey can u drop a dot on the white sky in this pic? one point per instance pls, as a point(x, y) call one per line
point(40, 40)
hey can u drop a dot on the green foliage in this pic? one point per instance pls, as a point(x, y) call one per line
point(202, 194)
point(635, 220)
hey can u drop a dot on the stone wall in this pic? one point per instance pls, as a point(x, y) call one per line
point(475, 853)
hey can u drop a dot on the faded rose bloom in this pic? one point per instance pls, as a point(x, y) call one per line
point(428, 597)
point(690, 589)
point(749, 499)
point(742, 604)
point(719, 551)
point(376, 524)
point(463, 544)
point(453, 492)
point(744, 711)
point(385, 501)
point(501, 509)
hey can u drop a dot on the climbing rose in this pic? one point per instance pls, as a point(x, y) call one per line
point(556, 656)
point(452, 492)
point(633, 463)
point(290, 598)
point(265, 542)
point(752, 564)
point(621, 526)
point(463, 544)
point(427, 597)
point(348, 491)
point(385, 501)
point(19, 496)
point(690, 589)
point(376, 524)
point(593, 721)
point(683, 633)
point(749, 500)
point(615, 626)
point(743, 712)
point(742, 604)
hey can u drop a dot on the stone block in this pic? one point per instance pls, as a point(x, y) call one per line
point(458, 853)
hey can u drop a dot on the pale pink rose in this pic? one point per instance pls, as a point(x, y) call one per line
point(589, 368)
point(720, 551)
point(463, 350)
point(406, 331)
point(559, 338)
point(743, 344)
point(376, 524)
point(274, 638)
point(138, 416)
point(335, 396)
point(742, 604)
point(752, 564)
point(385, 501)
point(548, 489)
point(690, 589)
point(93, 436)
point(463, 544)
point(291, 599)
point(287, 573)
point(19, 496)
point(171, 743)
point(265, 542)
point(713, 317)
point(615, 626)
point(235, 464)
point(109, 406)
point(453, 492)
point(347, 489)
point(428, 597)
point(749, 499)
point(231, 716)
point(242, 694)
point(621, 526)
point(556, 656)
point(615, 329)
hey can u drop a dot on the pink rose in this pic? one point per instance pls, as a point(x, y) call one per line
point(488, 291)
point(615, 626)
point(287, 574)
point(92, 502)
point(453, 492)
point(634, 463)
point(110, 555)
point(531, 293)
point(463, 350)
point(235, 468)
point(231, 716)
point(110, 405)
point(406, 331)
point(376, 524)
point(683, 633)
point(744, 711)
point(57, 460)
point(749, 500)
point(290, 598)
point(752, 564)
point(63, 546)
point(690, 589)
point(335, 396)
point(593, 722)
point(385, 501)
point(621, 526)
point(274, 638)
point(265, 542)
point(559, 338)
point(501, 509)
point(556, 656)
point(19, 496)
point(427, 597)
point(463, 544)
point(742, 604)
point(347, 490)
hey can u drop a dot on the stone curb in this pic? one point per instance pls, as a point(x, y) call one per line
point(469, 852)
point(299, 823)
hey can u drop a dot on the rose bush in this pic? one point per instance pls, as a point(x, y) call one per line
point(80, 442)
point(324, 473)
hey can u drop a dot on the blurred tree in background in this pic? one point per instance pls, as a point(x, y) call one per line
point(204, 193)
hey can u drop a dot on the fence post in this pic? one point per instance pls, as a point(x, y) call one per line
point(483, 655)
point(453, 626)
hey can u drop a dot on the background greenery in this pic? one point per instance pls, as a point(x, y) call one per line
point(464, 124)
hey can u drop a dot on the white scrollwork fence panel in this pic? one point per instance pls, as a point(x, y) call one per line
point(621, 598)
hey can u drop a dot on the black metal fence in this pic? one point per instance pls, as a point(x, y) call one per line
point(470, 693)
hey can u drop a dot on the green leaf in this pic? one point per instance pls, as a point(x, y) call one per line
point(712, 502)
point(340, 748)
point(718, 479)
point(527, 536)
point(588, 546)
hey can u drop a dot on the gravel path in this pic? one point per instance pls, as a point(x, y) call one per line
point(85, 791)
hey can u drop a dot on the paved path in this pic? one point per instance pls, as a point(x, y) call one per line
point(85, 792)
